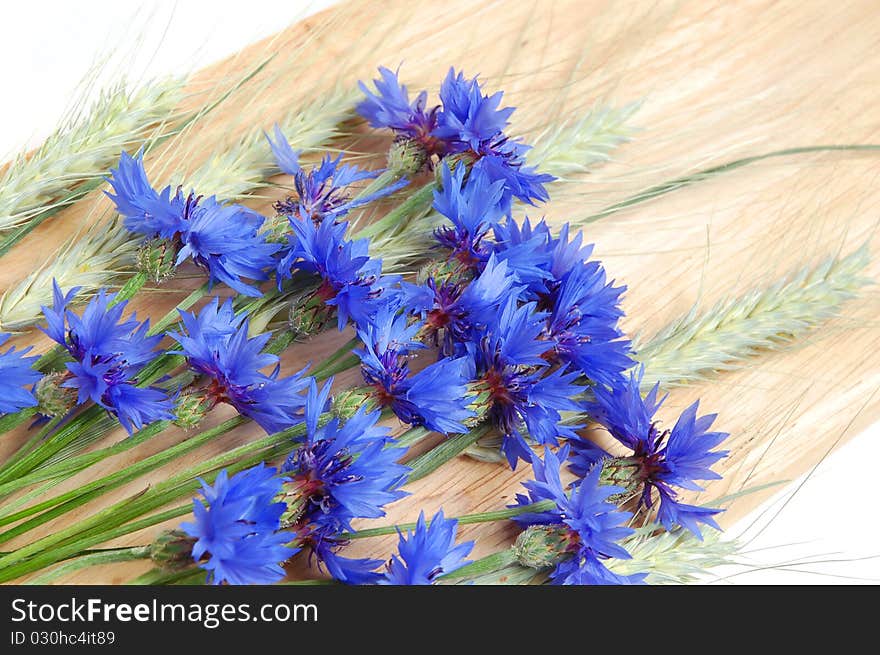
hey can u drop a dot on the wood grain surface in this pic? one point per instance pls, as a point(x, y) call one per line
point(717, 80)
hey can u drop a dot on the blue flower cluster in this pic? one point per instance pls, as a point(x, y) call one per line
point(427, 553)
point(467, 124)
point(509, 326)
point(108, 354)
point(592, 526)
point(237, 529)
point(217, 347)
point(340, 472)
point(523, 324)
point(661, 460)
point(224, 239)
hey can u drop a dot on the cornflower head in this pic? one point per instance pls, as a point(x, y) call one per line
point(582, 306)
point(390, 108)
point(223, 239)
point(579, 533)
point(324, 190)
point(435, 397)
point(15, 373)
point(427, 553)
point(108, 353)
point(340, 472)
point(216, 346)
point(235, 534)
point(351, 282)
point(518, 392)
point(474, 123)
point(466, 124)
point(473, 209)
point(454, 307)
point(661, 460)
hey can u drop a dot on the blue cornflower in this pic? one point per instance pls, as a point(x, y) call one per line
point(217, 346)
point(427, 553)
point(223, 239)
point(505, 161)
point(526, 250)
point(520, 394)
point(592, 526)
point(583, 307)
point(237, 528)
point(470, 118)
point(434, 397)
point(15, 374)
point(475, 123)
point(108, 354)
point(660, 460)
point(340, 472)
point(351, 281)
point(469, 124)
point(454, 309)
point(322, 191)
point(473, 210)
point(390, 108)
point(583, 325)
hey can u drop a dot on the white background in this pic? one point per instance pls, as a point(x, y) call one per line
point(825, 532)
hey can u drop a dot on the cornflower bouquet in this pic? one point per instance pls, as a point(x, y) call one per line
point(464, 320)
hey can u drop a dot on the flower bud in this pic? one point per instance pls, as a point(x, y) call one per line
point(542, 546)
point(277, 228)
point(443, 270)
point(172, 549)
point(347, 402)
point(157, 259)
point(453, 162)
point(53, 399)
point(480, 400)
point(308, 314)
point(406, 156)
point(191, 408)
point(621, 472)
point(296, 501)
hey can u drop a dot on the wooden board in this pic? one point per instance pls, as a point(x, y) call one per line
point(718, 80)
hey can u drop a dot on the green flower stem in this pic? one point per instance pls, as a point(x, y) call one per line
point(450, 448)
point(13, 480)
point(342, 365)
point(417, 202)
point(87, 426)
point(467, 519)
point(22, 500)
point(686, 180)
point(111, 556)
point(385, 178)
point(73, 465)
point(114, 522)
point(111, 522)
point(172, 317)
point(86, 492)
point(10, 465)
point(45, 559)
point(484, 565)
point(412, 436)
point(331, 363)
